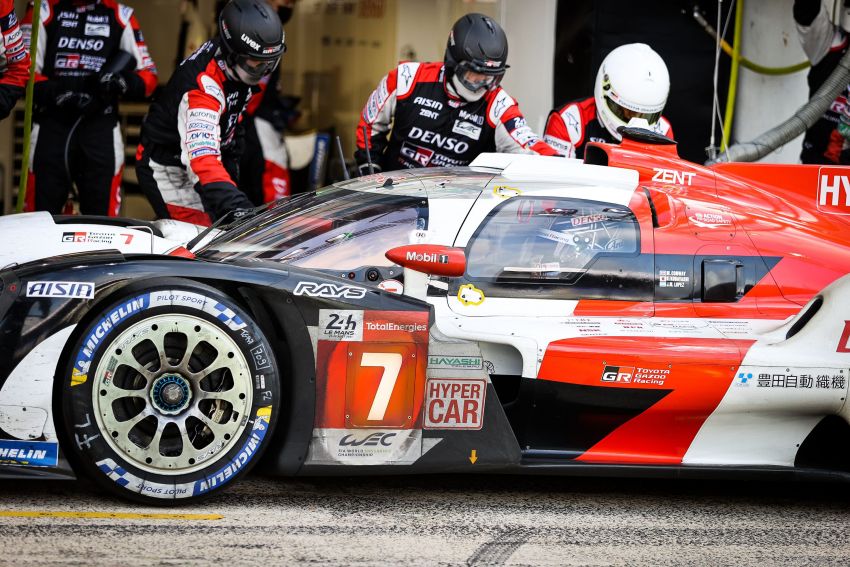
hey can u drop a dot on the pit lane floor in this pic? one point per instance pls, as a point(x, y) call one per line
point(440, 520)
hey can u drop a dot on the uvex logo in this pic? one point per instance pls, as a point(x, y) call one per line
point(425, 257)
point(371, 440)
point(834, 190)
point(250, 41)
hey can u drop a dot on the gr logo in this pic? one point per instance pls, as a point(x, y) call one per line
point(620, 374)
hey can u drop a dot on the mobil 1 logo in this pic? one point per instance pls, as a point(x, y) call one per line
point(340, 325)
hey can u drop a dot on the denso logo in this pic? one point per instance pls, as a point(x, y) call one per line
point(329, 290)
point(834, 190)
point(82, 44)
point(250, 41)
point(425, 257)
point(442, 142)
point(673, 176)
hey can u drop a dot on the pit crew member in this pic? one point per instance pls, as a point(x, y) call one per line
point(632, 82)
point(189, 153)
point(14, 59)
point(446, 113)
point(824, 44)
point(90, 53)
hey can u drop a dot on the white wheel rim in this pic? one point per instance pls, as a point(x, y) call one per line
point(172, 394)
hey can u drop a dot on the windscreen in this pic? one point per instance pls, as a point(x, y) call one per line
point(336, 229)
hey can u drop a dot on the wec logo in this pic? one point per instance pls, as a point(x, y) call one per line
point(329, 290)
point(834, 190)
point(371, 440)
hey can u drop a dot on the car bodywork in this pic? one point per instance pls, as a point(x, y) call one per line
point(632, 314)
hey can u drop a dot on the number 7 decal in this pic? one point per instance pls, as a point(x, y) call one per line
point(380, 384)
point(391, 363)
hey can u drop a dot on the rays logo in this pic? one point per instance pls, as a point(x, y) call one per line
point(618, 374)
point(329, 290)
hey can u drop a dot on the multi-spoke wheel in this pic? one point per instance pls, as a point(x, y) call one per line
point(171, 393)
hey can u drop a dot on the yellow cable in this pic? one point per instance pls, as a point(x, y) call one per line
point(733, 76)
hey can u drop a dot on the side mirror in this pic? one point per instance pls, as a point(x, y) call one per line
point(431, 259)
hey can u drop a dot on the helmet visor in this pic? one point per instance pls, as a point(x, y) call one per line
point(255, 69)
point(475, 80)
point(626, 114)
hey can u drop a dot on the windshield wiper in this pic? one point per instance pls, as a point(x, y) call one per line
point(243, 215)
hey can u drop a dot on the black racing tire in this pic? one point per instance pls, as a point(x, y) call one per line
point(170, 393)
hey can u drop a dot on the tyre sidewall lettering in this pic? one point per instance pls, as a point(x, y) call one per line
point(86, 436)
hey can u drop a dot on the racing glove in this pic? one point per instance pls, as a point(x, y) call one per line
point(71, 100)
point(9, 95)
point(112, 85)
point(59, 94)
point(220, 198)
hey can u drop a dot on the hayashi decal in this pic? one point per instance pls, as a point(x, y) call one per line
point(329, 290)
point(68, 290)
point(342, 325)
point(468, 294)
point(454, 403)
point(436, 362)
point(833, 191)
point(505, 192)
point(673, 176)
point(100, 331)
point(28, 453)
point(673, 278)
point(224, 474)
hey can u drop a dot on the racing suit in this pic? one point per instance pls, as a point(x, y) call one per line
point(572, 126)
point(433, 127)
point(824, 44)
point(14, 59)
point(187, 162)
point(76, 135)
point(264, 167)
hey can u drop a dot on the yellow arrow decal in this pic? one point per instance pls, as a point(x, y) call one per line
point(473, 456)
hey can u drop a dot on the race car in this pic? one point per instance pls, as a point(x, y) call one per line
point(34, 236)
point(632, 314)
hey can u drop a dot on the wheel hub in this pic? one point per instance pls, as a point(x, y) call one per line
point(171, 394)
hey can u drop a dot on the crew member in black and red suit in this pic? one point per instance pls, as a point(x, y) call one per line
point(824, 44)
point(632, 82)
point(188, 159)
point(14, 59)
point(446, 113)
point(90, 54)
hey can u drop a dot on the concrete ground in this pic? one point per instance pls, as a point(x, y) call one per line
point(440, 520)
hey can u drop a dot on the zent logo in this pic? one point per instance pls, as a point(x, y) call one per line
point(329, 290)
point(673, 176)
point(834, 190)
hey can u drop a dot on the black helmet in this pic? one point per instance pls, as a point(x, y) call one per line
point(477, 43)
point(251, 37)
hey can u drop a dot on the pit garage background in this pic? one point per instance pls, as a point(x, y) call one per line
point(339, 49)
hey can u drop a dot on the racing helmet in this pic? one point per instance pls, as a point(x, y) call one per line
point(252, 39)
point(632, 82)
point(476, 55)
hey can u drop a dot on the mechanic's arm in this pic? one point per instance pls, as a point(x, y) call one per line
point(557, 136)
point(513, 134)
point(141, 81)
point(377, 116)
point(817, 32)
point(14, 77)
point(200, 148)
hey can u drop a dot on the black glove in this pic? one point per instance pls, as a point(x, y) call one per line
point(9, 95)
point(220, 198)
point(363, 168)
point(73, 100)
point(112, 85)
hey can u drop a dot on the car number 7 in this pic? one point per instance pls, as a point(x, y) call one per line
point(391, 363)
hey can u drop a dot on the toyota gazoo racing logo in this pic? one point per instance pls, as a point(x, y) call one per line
point(329, 290)
point(439, 140)
point(618, 374)
point(426, 257)
point(379, 438)
point(416, 154)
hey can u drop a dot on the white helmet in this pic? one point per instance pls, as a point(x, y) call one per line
point(632, 82)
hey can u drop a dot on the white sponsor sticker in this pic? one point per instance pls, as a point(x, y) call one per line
point(467, 129)
point(455, 403)
point(340, 325)
point(67, 290)
point(101, 30)
point(212, 88)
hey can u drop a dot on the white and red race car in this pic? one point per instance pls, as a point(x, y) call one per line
point(631, 314)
